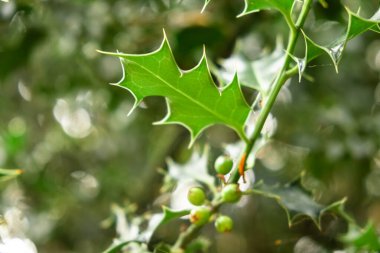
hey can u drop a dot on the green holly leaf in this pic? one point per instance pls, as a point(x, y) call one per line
point(170, 214)
point(356, 26)
point(284, 6)
point(193, 100)
point(362, 238)
point(295, 201)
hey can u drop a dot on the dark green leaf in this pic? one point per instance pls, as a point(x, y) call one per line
point(193, 100)
point(295, 201)
point(356, 26)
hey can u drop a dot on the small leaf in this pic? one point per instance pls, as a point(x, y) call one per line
point(362, 239)
point(295, 201)
point(193, 100)
point(284, 6)
point(356, 26)
point(170, 214)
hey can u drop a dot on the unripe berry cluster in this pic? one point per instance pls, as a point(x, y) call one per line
point(230, 193)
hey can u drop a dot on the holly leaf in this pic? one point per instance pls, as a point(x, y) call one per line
point(284, 6)
point(193, 100)
point(295, 201)
point(356, 26)
point(170, 214)
point(362, 238)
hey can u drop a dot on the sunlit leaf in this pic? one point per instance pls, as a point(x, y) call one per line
point(192, 173)
point(193, 100)
point(205, 5)
point(284, 6)
point(258, 74)
point(295, 201)
point(134, 231)
point(362, 238)
point(154, 222)
point(194, 170)
point(356, 26)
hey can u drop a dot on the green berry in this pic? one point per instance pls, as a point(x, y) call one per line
point(223, 164)
point(231, 193)
point(196, 196)
point(224, 224)
point(200, 215)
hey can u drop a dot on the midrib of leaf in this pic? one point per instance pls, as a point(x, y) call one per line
point(217, 115)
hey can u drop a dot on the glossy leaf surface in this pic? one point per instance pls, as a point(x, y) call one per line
point(193, 99)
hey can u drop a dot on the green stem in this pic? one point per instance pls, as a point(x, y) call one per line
point(186, 236)
point(281, 78)
point(190, 233)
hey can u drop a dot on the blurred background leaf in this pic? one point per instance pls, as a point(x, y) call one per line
point(69, 132)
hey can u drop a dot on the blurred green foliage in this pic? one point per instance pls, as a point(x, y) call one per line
point(80, 152)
